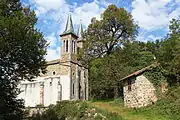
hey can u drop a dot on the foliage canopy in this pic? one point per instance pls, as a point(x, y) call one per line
point(22, 50)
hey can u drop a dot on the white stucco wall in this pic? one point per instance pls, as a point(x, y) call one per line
point(51, 90)
point(53, 86)
point(65, 82)
point(30, 92)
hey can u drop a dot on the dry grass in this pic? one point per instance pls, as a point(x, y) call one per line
point(126, 113)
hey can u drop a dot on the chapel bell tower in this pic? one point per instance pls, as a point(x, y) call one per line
point(70, 66)
point(68, 41)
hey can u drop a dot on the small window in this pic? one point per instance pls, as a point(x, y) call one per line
point(54, 73)
point(129, 84)
point(73, 88)
point(51, 82)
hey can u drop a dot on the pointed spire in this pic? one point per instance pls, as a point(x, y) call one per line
point(80, 30)
point(69, 26)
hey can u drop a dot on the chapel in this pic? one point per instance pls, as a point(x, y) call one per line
point(66, 78)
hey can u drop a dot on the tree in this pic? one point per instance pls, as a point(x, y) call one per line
point(102, 36)
point(105, 72)
point(22, 50)
point(169, 55)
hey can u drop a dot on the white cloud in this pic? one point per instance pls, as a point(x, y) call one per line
point(175, 14)
point(144, 36)
point(153, 38)
point(53, 51)
point(58, 10)
point(40, 10)
point(150, 37)
point(53, 54)
point(87, 11)
point(45, 5)
point(51, 39)
point(152, 14)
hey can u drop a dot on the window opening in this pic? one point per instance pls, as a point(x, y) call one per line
point(129, 84)
point(74, 46)
point(73, 88)
point(66, 45)
point(54, 73)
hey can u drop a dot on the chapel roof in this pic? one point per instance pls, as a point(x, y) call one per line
point(52, 62)
point(140, 71)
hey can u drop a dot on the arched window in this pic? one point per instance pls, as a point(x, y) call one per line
point(66, 45)
point(73, 88)
point(74, 46)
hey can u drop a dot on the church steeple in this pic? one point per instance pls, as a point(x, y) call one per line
point(69, 26)
point(80, 30)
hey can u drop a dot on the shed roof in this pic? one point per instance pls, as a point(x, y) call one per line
point(140, 71)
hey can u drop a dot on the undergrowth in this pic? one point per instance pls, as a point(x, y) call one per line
point(75, 110)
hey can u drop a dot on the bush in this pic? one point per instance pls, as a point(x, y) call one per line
point(74, 110)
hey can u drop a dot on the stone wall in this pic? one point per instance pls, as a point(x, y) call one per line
point(52, 70)
point(139, 93)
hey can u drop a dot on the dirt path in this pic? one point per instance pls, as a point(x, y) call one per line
point(124, 112)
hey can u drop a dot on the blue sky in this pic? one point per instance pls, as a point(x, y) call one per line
point(152, 16)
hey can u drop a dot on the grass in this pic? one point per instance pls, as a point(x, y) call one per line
point(127, 113)
point(168, 108)
point(124, 113)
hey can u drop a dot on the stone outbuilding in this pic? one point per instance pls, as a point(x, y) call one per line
point(138, 90)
